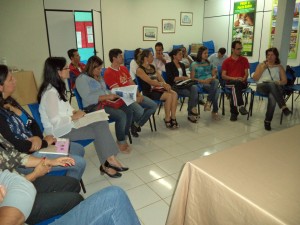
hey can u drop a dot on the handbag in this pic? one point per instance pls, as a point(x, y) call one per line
point(185, 84)
point(113, 103)
point(158, 89)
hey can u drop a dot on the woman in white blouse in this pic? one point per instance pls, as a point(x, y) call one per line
point(270, 77)
point(58, 115)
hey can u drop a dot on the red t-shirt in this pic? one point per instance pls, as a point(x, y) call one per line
point(76, 71)
point(119, 77)
point(235, 68)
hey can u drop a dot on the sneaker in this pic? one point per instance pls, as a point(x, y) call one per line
point(267, 126)
point(233, 117)
point(207, 106)
point(215, 116)
point(192, 119)
point(286, 111)
point(134, 131)
point(243, 110)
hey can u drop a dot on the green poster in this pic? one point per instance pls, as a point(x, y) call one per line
point(243, 25)
point(294, 32)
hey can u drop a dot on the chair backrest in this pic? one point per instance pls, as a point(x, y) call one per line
point(34, 108)
point(177, 46)
point(219, 73)
point(252, 67)
point(128, 56)
point(138, 83)
point(210, 45)
point(78, 98)
point(297, 70)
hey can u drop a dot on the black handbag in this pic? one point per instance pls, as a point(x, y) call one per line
point(184, 84)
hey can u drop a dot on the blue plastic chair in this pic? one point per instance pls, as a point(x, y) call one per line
point(49, 221)
point(252, 67)
point(34, 108)
point(177, 46)
point(210, 45)
point(128, 56)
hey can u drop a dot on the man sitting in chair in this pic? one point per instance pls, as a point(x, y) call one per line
point(235, 73)
point(76, 67)
point(218, 58)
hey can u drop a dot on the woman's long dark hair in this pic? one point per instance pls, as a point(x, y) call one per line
point(3, 76)
point(276, 53)
point(142, 55)
point(199, 54)
point(51, 76)
point(174, 52)
point(92, 63)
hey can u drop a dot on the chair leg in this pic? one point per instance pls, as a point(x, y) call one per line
point(160, 105)
point(223, 104)
point(154, 123)
point(198, 104)
point(182, 101)
point(150, 124)
point(82, 186)
point(129, 137)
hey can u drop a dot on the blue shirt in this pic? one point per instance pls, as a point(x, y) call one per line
point(202, 70)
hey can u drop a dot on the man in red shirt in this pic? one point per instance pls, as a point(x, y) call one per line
point(118, 76)
point(235, 72)
point(76, 67)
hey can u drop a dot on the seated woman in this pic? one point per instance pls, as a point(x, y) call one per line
point(57, 116)
point(204, 72)
point(270, 77)
point(176, 72)
point(20, 129)
point(154, 87)
point(133, 64)
point(55, 195)
point(93, 91)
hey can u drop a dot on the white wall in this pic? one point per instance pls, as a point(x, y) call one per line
point(218, 27)
point(23, 39)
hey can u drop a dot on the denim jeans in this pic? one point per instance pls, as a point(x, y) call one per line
point(213, 93)
point(274, 92)
point(76, 171)
point(192, 94)
point(109, 206)
point(123, 119)
point(55, 196)
point(143, 111)
point(236, 95)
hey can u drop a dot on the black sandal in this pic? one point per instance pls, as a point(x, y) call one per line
point(168, 123)
point(174, 123)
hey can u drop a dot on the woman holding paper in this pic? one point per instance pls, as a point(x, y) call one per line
point(58, 115)
point(154, 86)
point(21, 130)
point(94, 94)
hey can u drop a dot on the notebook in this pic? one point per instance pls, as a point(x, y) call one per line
point(61, 147)
point(99, 115)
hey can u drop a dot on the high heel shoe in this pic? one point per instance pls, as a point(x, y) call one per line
point(118, 169)
point(103, 171)
point(174, 123)
point(168, 123)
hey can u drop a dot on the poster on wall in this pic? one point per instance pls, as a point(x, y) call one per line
point(295, 29)
point(243, 25)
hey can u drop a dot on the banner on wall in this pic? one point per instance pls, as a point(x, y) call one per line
point(295, 29)
point(243, 25)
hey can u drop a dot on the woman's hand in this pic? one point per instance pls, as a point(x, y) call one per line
point(50, 139)
point(61, 161)
point(13, 109)
point(112, 97)
point(166, 86)
point(2, 193)
point(40, 170)
point(36, 143)
point(77, 114)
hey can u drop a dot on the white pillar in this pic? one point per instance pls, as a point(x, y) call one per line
point(284, 21)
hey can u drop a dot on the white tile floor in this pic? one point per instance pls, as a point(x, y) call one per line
point(158, 157)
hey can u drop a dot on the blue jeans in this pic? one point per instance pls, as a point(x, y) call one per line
point(213, 93)
point(192, 94)
point(143, 111)
point(274, 92)
point(123, 119)
point(76, 171)
point(109, 206)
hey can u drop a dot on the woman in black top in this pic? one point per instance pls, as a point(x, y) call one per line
point(154, 87)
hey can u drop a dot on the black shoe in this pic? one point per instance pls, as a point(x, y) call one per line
point(103, 171)
point(286, 111)
point(268, 126)
point(233, 117)
point(134, 131)
point(139, 129)
point(243, 110)
point(192, 119)
point(118, 169)
point(201, 102)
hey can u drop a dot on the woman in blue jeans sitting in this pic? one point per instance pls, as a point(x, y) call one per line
point(270, 77)
point(204, 72)
point(20, 129)
point(176, 72)
point(94, 94)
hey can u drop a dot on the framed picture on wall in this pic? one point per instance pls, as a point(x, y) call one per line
point(149, 33)
point(168, 25)
point(186, 18)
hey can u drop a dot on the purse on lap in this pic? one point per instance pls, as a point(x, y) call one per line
point(116, 104)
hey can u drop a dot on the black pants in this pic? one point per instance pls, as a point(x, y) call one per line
point(237, 88)
point(55, 195)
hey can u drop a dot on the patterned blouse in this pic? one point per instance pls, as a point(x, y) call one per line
point(10, 158)
point(202, 70)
